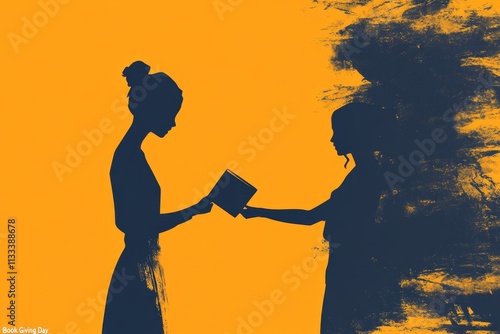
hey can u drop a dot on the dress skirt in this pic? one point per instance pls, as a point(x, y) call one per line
point(136, 300)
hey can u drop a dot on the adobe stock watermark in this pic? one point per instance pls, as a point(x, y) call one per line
point(212, 190)
point(446, 304)
point(426, 147)
point(254, 144)
point(32, 25)
point(249, 148)
point(93, 137)
point(441, 304)
point(360, 40)
point(223, 6)
point(88, 310)
point(293, 278)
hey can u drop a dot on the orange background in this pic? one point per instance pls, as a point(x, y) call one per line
point(236, 72)
point(262, 57)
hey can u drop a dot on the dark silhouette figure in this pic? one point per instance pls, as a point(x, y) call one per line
point(136, 298)
point(354, 279)
point(446, 205)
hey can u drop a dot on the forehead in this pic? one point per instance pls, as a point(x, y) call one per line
point(337, 119)
point(341, 123)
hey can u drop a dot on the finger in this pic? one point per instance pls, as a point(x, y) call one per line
point(208, 208)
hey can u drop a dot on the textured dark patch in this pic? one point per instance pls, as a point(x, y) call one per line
point(425, 7)
point(344, 6)
point(418, 76)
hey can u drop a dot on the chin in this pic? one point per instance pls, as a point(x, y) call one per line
point(340, 152)
point(161, 134)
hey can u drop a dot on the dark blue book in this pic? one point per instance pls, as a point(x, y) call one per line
point(231, 193)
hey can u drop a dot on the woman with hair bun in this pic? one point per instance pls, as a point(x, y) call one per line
point(136, 301)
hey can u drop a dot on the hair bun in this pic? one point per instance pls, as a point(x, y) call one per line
point(136, 72)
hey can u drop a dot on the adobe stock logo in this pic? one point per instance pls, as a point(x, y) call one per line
point(74, 156)
point(294, 277)
point(428, 146)
point(31, 26)
point(95, 136)
point(223, 6)
point(360, 40)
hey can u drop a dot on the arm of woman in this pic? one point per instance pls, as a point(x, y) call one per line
point(170, 220)
point(291, 216)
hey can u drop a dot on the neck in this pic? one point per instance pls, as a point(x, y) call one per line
point(365, 160)
point(135, 135)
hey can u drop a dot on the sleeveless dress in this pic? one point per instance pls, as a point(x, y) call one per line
point(353, 277)
point(136, 300)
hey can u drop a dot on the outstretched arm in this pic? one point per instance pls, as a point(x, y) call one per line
point(291, 216)
point(170, 220)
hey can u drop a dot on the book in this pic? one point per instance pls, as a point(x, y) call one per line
point(231, 193)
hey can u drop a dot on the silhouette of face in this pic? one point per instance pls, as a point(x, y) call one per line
point(158, 114)
point(337, 142)
point(356, 128)
point(343, 138)
point(163, 120)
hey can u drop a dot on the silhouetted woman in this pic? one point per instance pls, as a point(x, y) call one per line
point(352, 295)
point(136, 297)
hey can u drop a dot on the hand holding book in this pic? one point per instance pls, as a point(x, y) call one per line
point(231, 193)
point(251, 212)
point(203, 206)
